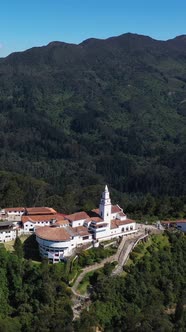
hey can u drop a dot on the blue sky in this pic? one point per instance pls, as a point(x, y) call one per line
point(28, 23)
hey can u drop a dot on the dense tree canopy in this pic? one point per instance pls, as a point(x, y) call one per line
point(74, 117)
point(150, 297)
point(33, 296)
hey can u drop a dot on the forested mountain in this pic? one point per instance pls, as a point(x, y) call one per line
point(74, 117)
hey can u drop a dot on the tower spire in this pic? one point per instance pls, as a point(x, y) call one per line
point(105, 205)
point(106, 188)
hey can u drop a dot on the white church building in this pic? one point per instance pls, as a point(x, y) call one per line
point(109, 221)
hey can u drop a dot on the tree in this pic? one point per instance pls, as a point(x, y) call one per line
point(18, 247)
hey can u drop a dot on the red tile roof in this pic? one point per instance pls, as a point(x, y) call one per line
point(95, 219)
point(62, 222)
point(80, 230)
point(96, 211)
point(173, 221)
point(181, 221)
point(77, 216)
point(116, 223)
point(115, 209)
point(36, 218)
point(40, 210)
point(60, 216)
point(52, 234)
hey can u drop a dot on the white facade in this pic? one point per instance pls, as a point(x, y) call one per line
point(11, 214)
point(29, 226)
point(123, 230)
point(77, 219)
point(114, 222)
point(102, 232)
point(56, 251)
point(76, 223)
point(121, 216)
point(7, 235)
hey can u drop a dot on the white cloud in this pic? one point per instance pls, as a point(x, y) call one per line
point(1, 45)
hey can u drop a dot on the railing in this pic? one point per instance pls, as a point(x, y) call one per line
point(138, 240)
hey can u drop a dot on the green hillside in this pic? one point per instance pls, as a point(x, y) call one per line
point(105, 111)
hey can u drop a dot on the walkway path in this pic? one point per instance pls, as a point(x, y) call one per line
point(123, 251)
point(126, 246)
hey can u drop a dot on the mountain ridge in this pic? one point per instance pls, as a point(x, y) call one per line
point(178, 39)
point(102, 111)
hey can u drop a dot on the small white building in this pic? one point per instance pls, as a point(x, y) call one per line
point(77, 219)
point(7, 232)
point(12, 214)
point(30, 222)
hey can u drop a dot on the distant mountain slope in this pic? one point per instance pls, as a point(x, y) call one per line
point(104, 111)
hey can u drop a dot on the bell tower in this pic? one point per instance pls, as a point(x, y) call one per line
point(105, 205)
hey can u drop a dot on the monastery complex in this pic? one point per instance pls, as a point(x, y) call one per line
point(59, 235)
